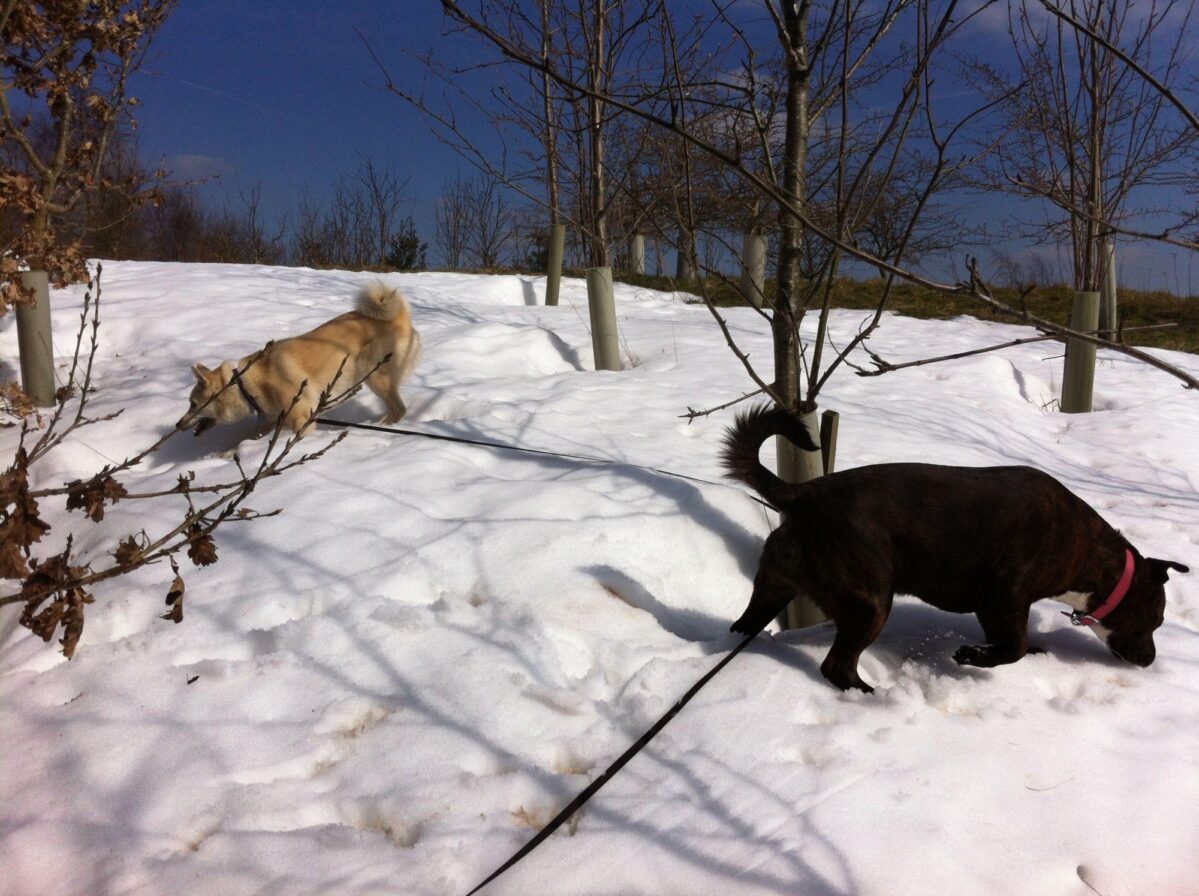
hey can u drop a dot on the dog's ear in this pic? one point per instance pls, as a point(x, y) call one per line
point(200, 371)
point(1159, 570)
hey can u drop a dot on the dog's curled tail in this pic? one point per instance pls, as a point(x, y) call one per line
point(381, 301)
point(743, 440)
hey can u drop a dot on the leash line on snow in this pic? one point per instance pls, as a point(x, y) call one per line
point(594, 786)
point(501, 446)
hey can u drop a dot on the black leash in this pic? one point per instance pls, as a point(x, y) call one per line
point(462, 440)
point(616, 766)
point(649, 735)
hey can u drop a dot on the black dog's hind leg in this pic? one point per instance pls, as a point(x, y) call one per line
point(859, 619)
point(1007, 640)
point(771, 594)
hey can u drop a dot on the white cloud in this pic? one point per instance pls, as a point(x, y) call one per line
point(195, 166)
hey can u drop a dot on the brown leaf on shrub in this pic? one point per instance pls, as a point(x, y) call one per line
point(20, 526)
point(54, 578)
point(72, 620)
point(91, 495)
point(13, 399)
point(202, 549)
point(128, 552)
point(45, 623)
point(12, 559)
point(175, 601)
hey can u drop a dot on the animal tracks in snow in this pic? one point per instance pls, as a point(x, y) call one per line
point(336, 732)
point(366, 815)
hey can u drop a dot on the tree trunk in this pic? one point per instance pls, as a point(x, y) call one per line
point(788, 311)
point(684, 270)
point(549, 137)
point(600, 254)
point(794, 465)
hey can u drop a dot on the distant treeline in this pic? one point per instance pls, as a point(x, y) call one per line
point(360, 224)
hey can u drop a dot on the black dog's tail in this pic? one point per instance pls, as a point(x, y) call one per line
point(743, 440)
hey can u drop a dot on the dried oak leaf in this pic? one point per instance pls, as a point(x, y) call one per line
point(202, 549)
point(92, 494)
point(20, 526)
point(72, 620)
point(13, 399)
point(175, 601)
point(44, 623)
point(128, 551)
point(12, 559)
point(55, 578)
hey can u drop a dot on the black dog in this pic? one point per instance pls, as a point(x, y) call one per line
point(990, 541)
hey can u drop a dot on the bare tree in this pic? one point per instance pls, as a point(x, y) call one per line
point(884, 225)
point(827, 163)
point(382, 195)
point(829, 55)
point(566, 163)
point(475, 222)
point(1182, 230)
point(548, 123)
point(453, 224)
point(358, 226)
point(174, 227)
point(179, 227)
point(492, 220)
point(1086, 134)
point(308, 238)
point(259, 245)
point(826, 52)
point(107, 222)
point(66, 65)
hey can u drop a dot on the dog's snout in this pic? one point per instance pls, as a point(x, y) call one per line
point(1137, 654)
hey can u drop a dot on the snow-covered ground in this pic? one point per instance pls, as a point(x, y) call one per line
point(391, 685)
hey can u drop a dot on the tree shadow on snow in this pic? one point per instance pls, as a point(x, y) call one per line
point(529, 292)
point(682, 622)
point(689, 499)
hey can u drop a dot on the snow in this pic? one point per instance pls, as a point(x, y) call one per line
point(391, 685)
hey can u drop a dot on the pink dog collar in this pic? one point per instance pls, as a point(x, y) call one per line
point(1078, 617)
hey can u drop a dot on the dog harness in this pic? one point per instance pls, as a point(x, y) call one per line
point(1078, 617)
point(245, 393)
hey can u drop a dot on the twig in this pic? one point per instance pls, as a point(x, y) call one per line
point(884, 366)
point(693, 414)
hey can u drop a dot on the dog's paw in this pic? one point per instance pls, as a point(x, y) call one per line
point(988, 655)
point(843, 678)
point(857, 685)
point(972, 655)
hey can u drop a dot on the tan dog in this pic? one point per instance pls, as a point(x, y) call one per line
point(375, 343)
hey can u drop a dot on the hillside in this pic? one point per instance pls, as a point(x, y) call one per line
point(389, 686)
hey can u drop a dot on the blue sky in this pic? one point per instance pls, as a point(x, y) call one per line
point(284, 94)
